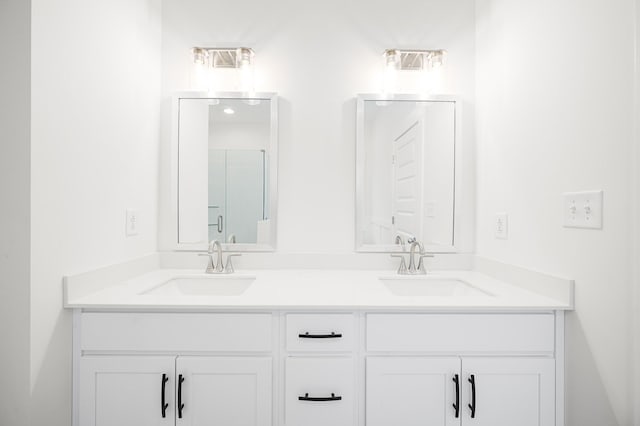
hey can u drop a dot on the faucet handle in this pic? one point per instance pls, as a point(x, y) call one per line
point(421, 262)
point(210, 267)
point(229, 266)
point(402, 269)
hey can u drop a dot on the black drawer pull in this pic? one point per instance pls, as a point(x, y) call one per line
point(456, 405)
point(320, 336)
point(164, 404)
point(333, 397)
point(472, 406)
point(180, 404)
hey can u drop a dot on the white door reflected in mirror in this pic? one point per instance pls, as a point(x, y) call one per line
point(406, 173)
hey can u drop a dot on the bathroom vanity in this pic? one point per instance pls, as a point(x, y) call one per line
point(312, 348)
point(317, 347)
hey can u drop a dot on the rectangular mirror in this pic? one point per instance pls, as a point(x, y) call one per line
point(406, 172)
point(225, 148)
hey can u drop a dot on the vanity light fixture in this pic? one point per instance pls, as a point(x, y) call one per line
point(396, 60)
point(209, 59)
point(414, 60)
point(217, 57)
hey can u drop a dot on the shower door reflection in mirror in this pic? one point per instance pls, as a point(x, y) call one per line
point(225, 172)
point(236, 194)
point(406, 173)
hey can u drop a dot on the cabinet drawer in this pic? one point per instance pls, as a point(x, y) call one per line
point(322, 333)
point(320, 392)
point(461, 333)
point(176, 332)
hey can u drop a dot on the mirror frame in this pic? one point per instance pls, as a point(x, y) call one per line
point(273, 168)
point(360, 172)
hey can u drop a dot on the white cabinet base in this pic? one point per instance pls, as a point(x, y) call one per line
point(251, 368)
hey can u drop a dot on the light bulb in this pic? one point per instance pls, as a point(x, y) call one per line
point(391, 65)
point(244, 58)
point(436, 58)
point(200, 56)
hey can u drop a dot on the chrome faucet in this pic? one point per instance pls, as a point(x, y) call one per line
point(414, 268)
point(218, 268)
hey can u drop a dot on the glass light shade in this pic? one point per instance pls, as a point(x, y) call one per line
point(200, 56)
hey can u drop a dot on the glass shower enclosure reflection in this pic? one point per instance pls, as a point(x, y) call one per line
point(237, 196)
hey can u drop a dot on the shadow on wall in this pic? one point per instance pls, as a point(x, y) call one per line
point(587, 403)
point(54, 377)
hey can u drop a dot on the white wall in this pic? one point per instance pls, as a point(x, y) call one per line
point(95, 120)
point(251, 136)
point(318, 56)
point(554, 114)
point(15, 80)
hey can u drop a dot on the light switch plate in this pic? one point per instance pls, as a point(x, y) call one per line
point(502, 226)
point(133, 222)
point(583, 209)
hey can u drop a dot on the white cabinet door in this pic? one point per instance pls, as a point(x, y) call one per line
point(509, 391)
point(126, 391)
point(412, 391)
point(220, 391)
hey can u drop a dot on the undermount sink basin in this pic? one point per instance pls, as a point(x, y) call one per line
point(203, 285)
point(431, 287)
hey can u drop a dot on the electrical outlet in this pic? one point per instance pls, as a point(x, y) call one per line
point(133, 222)
point(502, 226)
point(583, 209)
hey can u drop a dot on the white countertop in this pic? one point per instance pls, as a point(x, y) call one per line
point(293, 289)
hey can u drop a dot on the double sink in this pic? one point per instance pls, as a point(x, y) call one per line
point(236, 285)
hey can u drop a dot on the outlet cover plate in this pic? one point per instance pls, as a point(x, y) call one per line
point(133, 222)
point(502, 226)
point(582, 209)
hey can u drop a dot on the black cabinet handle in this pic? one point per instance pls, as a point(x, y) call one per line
point(472, 406)
point(333, 397)
point(320, 336)
point(456, 405)
point(163, 404)
point(180, 404)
